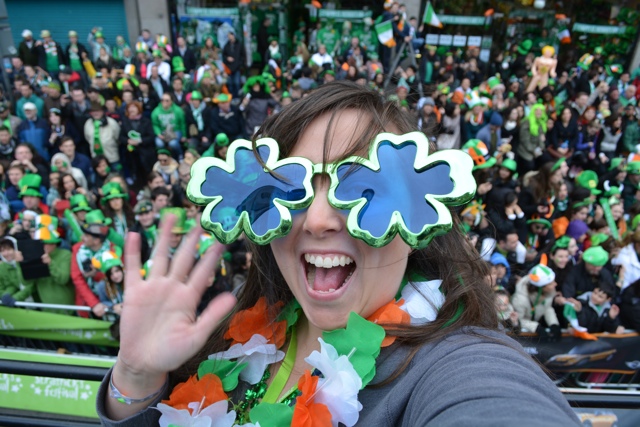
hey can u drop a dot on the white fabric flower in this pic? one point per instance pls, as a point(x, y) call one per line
point(422, 300)
point(256, 353)
point(214, 415)
point(339, 388)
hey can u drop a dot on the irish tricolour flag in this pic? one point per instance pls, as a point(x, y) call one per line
point(385, 33)
point(430, 17)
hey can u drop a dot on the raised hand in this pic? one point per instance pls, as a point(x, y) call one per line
point(159, 330)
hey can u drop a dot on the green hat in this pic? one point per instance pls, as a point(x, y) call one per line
point(633, 168)
point(206, 241)
point(525, 47)
point(542, 221)
point(180, 227)
point(79, 203)
point(196, 95)
point(557, 165)
point(588, 179)
point(614, 70)
point(134, 135)
point(99, 35)
point(96, 217)
point(286, 94)
point(561, 243)
point(112, 190)
point(95, 224)
point(509, 164)
point(635, 222)
point(541, 276)
point(106, 261)
point(222, 140)
point(598, 239)
point(596, 256)
point(177, 64)
point(330, 72)
point(598, 50)
point(47, 221)
point(164, 151)
point(29, 185)
point(495, 83)
point(616, 163)
point(157, 53)
point(143, 206)
point(223, 97)
point(54, 85)
point(47, 236)
point(479, 152)
point(612, 191)
point(581, 204)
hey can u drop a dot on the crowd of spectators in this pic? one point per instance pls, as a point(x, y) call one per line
point(97, 139)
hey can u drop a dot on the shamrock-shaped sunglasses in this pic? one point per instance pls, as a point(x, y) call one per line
point(398, 189)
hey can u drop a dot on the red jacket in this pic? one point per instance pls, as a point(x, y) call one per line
point(84, 294)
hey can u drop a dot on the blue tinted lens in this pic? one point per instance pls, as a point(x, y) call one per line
point(252, 190)
point(397, 186)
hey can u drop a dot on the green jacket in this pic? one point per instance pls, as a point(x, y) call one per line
point(57, 288)
point(174, 116)
point(12, 282)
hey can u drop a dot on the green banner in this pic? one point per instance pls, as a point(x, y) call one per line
point(56, 327)
point(210, 11)
point(57, 358)
point(345, 14)
point(598, 29)
point(49, 395)
point(462, 20)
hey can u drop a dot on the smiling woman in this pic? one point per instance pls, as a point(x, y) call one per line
point(333, 326)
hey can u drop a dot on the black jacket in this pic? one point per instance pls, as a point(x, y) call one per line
point(146, 150)
point(236, 51)
point(192, 125)
point(28, 55)
point(42, 57)
point(231, 123)
point(579, 281)
point(594, 322)
point(630, 307)
point(188, 59)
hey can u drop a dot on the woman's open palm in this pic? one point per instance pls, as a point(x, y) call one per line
point(159, 330)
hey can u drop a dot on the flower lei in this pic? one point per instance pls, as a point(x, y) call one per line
point(328, 395)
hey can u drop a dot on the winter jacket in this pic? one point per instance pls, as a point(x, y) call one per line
point(109, 134)
point(528, 143)
point(531, 308)
point(630, 308)
point(449, 137)
point(57, 288)
point(37, 133)
point(596, 318)
point(34, 99)
point(231, 123)
point(257, 111)
point(579, 281)
point(236, 51)
point(12, 282)
point(146, 150)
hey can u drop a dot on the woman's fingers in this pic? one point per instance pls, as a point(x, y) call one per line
point(210, 318)
point(132, 259)
point(185, 256)
point(161, 256)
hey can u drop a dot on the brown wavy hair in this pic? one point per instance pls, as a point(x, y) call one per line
point(449, 257)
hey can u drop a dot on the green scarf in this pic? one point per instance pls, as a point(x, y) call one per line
point(97, 143)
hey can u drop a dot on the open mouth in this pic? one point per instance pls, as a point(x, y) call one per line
point(327, 274)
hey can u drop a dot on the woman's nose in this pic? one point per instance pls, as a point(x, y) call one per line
point(321, 218)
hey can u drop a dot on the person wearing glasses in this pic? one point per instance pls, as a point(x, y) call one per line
point(357, 315)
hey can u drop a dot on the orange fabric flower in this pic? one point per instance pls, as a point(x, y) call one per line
point(193, 390)
point(255, 320)
point(309, 414)
point(390, 314)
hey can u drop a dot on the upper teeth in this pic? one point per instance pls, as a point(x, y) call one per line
point(327, 261)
